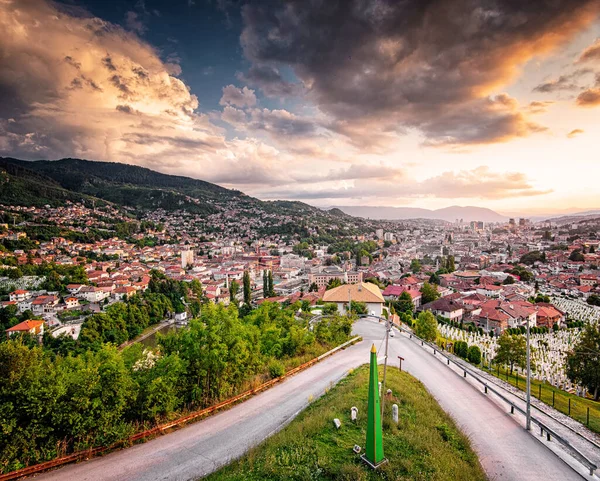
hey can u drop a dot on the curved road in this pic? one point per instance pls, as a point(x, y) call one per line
point(505, 449)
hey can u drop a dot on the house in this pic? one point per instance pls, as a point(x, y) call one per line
point(19, 295)
point(33, 327)
point(365, 292)
point(71, 302)
point(548, 315)
point(489, 290)
point(125, 292)
point(92, 294)
point(44, 305)
point(393, 293)
point(448, 308)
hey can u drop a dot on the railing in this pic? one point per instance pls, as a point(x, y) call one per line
point(89, 453)
point(550, 433)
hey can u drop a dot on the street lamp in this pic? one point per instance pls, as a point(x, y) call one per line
point(387, 337)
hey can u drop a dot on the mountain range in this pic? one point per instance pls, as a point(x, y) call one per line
point(450, 214)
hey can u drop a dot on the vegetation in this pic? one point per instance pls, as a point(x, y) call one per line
point(53, 403)
point(426, 326)
point(583, 362)
point(429, 293)
point(556, 398)
point(594, 300)
point(426, 444)
point(511, 351)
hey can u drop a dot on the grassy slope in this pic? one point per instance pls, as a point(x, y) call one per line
point(579, 405)
point(426, 445)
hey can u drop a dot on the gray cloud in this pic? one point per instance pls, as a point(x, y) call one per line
point(384, 66)
point(233, 95)
point(270, 81)
point(564, 82)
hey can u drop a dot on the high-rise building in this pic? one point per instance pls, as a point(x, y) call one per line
point(379, 233)
point(187, 258)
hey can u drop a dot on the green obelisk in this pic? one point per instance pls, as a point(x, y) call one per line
point(374, 450)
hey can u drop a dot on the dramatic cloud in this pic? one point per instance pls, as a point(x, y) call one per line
point(575, 133)
point(80, 86)
point(481, 183)
point(592, 53)
point(270, 81)
point(232, 95)
point(564, 82)
point(589, 98)
point(380, 67)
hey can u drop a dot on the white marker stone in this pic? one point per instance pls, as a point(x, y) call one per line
point(395, 413)
point(338, 423)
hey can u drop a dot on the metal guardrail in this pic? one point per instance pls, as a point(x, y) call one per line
point(550, 433)
point(89, 453)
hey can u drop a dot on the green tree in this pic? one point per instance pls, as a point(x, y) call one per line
point(509, 280)
point(429, 293)
point(265, 285)
point(313, 287)
point(583, 362)
point(474, 355)
point(450, 266)
point(404, 303)
point(247, 289)
point(426, 326)
point(415, 266)
point(594, 300)
point(270, 284)
point(577, 256)
point(511, 351)
point(335, 282)
point(234, 288)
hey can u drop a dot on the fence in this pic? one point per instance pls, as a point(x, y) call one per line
point(581, 409)
point(89, 453)
point(496, 390)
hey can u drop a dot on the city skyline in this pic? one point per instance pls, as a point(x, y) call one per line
point(419, 104)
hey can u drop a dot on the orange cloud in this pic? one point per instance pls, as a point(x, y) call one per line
point(575, 133)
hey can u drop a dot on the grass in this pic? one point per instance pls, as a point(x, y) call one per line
point(425, 445)
point(579, 405)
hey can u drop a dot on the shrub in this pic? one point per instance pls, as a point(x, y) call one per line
point(461, 349)
point(276, 369)
point(474, 355)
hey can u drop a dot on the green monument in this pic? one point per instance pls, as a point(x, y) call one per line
point(374, 450)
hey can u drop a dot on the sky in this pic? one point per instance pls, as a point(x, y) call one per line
point(417, 103)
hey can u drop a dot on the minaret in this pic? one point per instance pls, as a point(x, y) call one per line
point(374, 450)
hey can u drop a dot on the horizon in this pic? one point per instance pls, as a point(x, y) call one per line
point(493, 106)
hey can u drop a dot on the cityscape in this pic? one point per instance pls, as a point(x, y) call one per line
point(285, 240)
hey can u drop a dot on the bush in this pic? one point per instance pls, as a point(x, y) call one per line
point(474, 355)
point(276, 369)
point(461, 349)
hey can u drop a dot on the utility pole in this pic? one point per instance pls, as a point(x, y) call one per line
point(387, 337)
point(528, 417)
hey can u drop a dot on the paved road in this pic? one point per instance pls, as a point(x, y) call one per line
point(506, 451)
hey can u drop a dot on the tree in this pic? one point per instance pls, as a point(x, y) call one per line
point(435, 279)
point(592, 250)
point(426, 326)
point(265, 285)
point(404, 303)
point(429, 293)
point(577, 256)
point(234, 288)
point(450, 266)
point(461, 349)
point(583, 362)
point(335, 282)
point(511, 351)
point(270, 284)
point(247, 289)
point(474, 355)
point(415, 266)
point(509, 280)
point(594, 300)
point(313, 287)
point(358, 307)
